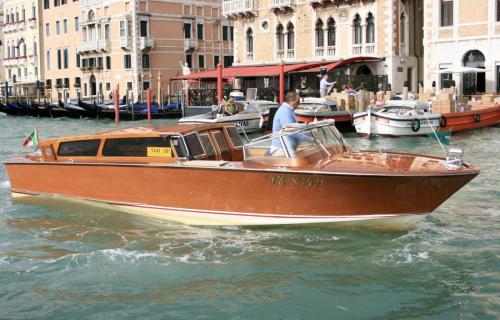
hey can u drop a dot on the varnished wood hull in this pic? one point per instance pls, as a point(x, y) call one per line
point(235, 196)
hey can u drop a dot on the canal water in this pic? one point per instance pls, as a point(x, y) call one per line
point(61, 260)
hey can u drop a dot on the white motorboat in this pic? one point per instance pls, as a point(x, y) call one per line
point(246, 115)
point(397, 118)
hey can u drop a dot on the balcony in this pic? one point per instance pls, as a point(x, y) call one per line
point(290, 53)
point(125, 43)
point(281, 5)
point(93, 46)
point(33, 59)
point(370, 48)
point(319, 51)
point(9, 62)
point(21, 60)
point(190, 44)
point(32, 23)
point(238, 7)
point(331, 51)
point(249, 56)
point(280, 54)
point(357, 49)
point(87, 4)
point(10, 27)
point(146, 43)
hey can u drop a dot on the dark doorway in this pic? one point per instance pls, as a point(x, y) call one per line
point(93, 86)
point(474, 82)
point(363, 70)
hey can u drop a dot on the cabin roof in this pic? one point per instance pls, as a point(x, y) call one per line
point(161, 129)
point(144, 130)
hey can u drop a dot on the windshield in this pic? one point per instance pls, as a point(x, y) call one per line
point(325, 140)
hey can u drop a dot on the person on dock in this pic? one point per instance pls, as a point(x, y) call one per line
point(325, 86)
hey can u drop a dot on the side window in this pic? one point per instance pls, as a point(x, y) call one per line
point(221, 142)
point(82, 148)
point(234, 136)
point(179, 147)
point(194, 145)
point(207, 144)
point(131, 147)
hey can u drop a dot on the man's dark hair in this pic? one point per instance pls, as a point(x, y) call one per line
point(291, 96)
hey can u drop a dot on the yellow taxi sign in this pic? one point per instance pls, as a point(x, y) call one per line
point(159, 152)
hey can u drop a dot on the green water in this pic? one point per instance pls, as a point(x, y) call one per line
point(61, 260)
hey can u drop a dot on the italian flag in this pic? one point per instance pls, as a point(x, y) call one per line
point(31, 140)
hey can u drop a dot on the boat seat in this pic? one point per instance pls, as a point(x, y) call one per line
point(205, 163)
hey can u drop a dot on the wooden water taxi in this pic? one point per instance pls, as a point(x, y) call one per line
point(205, 175)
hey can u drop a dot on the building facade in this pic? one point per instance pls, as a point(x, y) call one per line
point(91, 47)
point(2, 49)
point(21, 31)
point(61, 37)
point(271, 31)
point(462, 34)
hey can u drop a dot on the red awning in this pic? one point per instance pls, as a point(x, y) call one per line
point(342, 63)
point(273, 70)
point(251, 71)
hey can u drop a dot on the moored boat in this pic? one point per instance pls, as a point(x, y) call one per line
point(397, 118)
point(472, 119)
point(246, 114)
point(316, 109)
point(204, 175)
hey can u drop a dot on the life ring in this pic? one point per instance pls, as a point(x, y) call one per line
point(415, 125)
point(477, 117)
point(443, 122)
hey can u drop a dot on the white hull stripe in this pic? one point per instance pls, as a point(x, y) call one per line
point(211, 217)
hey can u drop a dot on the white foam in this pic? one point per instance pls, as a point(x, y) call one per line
point(5, 184)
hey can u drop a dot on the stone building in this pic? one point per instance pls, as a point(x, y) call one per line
point(21, 31)
point(461, 34)
point(271, 31)
point(92, 46)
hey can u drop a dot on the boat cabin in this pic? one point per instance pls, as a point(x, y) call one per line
point(406, 107)
point(166, 144)
point(296, 145)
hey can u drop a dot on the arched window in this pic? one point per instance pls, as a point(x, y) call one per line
point(357, 30)
point(24, 49)
point(91, 15)
point(320, 36)
point(402, 33)
point(280, 38)
point(290, 29)
point(331, 30)
point(370, 28)
point(249, 41)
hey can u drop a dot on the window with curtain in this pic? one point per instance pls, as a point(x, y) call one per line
point(320, 36)
point(370, 29)
point(249, 40)
point(280, 38)
point(291, 36)
point(331, 30)
point(446, 13)
point(357, 29)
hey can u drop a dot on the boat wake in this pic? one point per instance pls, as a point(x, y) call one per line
point(5, 184)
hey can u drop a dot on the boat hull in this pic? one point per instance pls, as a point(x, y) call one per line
point(468, 120)
point(236, 196)
point(386, 126)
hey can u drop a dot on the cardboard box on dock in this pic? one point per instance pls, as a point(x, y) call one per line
point(426, 96)
point(347, 100)
point(442, 106)
point(487, 99)
point(445, 97)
